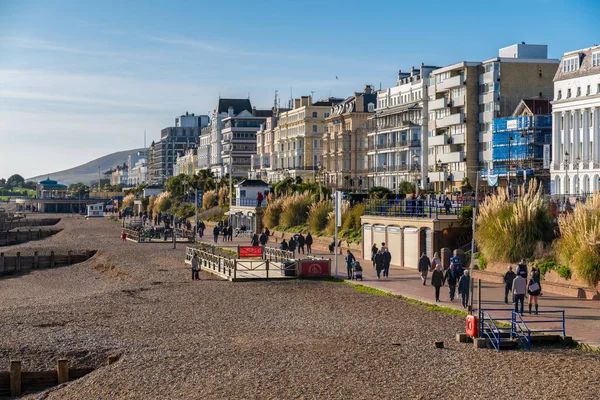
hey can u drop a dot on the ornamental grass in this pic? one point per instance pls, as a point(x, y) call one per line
point(318, 214)
point(578, 246)
point(508, 230)
point(272, 212)
point(294, 210)
point(209, 199)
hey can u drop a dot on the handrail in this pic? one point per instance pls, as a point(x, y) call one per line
point(274, 254)
point(523, 335)
point(495, 337)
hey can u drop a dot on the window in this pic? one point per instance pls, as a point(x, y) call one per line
point(325, 115)
point(568, 93)
point(571, 64)
point(559, 96)
point(315, 128)
point(589, 90)
point(596, 59)
point(315, 143)
point(578, 91)
point(315, 114)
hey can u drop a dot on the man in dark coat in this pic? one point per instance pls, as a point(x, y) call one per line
point(309, 242)
point(424, 266)
point(509, 277)
point(452, 278)
point(300, 239)
point(387, 259)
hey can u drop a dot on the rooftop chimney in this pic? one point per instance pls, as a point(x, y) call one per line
point(368, 89)
point(253, 110)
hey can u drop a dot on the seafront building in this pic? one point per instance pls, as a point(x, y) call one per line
point(266, 157)
point(345, 140)
point(138, 170)
point(397, 131)
point(298, 139)
point(186, 162)
point(162, 154)
point(575, 165)
point(119, 176)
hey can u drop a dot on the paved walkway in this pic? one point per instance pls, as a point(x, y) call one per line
point(582, 316)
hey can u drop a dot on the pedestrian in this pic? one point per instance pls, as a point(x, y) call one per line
point(522, 268)
point(509, 277)
point(308, 241)
point(283, 245)
point(301, 241)
point(259, 199)
point(435, 261)
point(534, 289)
point(424, 267)
point(230, 233)
point(254, 241)
point(124, 236)
point(464, 287)
point(263, 239)
point(519, 288)
point(387, 259)
point(195, 267)
point(349, 260)
point(379, 263)
point(374, 251)
point(437, 281)
point(447, 205)
point(292, 244)
point(383, 247)
point(216, 233)
point(451, 278)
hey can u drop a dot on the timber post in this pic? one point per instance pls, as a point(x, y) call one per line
point(1, 262)
point(15, 378)
point(18, 265)
point(62, 369)
point(69, 257)
point(36, 260)
point(52, 258)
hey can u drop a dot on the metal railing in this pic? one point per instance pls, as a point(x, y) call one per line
point(278, 255)
point(250, 203)
point(490, 329)
point(520, 330)
point(415, 208)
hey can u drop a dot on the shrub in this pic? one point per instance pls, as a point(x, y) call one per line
point(577, 245)
point(183, 210)
point(379, 192)
point(209, 199)
point(318, 214)
point(509, 230)
point(294, 210)
point(272, 213)
point(151, 201)
point(128, 201)
point(162, 203)
point(465, 216)
point(223, 196)
point(482, 262)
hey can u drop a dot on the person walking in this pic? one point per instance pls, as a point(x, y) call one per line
point(435, 261)
point(349, 260)
point(379, 263)
point(374, 251)
point(424, 267)
point(451, 278)
point(283, 245)
point(195, 267)
point(301, 241)
point(437, 281)
point(292, 244)
point(123, 236)
point(464, 284)
point(387, 259)
point(509, 277)
point(519, 288)
point(263, 239)
point(522, 268)
point(534, 289)
point(230, 233)
point(259, 199)
point(308, 241)
point(447, 205)
point(254, 241)
point(216, 233)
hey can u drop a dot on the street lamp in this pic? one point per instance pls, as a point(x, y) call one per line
point(566, 162)
point(576, 166)
point(440, 168)
point(415, 171)
point(383, 170)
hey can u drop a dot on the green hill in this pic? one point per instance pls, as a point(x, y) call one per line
point(88, 172)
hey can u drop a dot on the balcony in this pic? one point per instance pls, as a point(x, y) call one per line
point(439, 140)
point(453, 119)
point(458, 139)
point(438, 104)
point(458, 101)
point(449, 83)
point(395, 145)
point(437, 176)
point(454, 157)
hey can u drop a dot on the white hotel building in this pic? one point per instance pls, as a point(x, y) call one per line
point(576, 123)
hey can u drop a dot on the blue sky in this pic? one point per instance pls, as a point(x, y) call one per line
point(80, 79)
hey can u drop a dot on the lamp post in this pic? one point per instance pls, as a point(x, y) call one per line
point(440, 168)
point(509, 163)
point(576, 166)
point(566, 163)
point(383, 172)
point(415, 172)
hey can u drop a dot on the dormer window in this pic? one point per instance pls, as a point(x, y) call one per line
point(578, 91)
point(568, 93)
point(571, 64)
point(596, 59)
point(559, 96)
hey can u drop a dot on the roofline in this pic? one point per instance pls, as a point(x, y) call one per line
point(524, 60)
point(461, 64)
point(581, 50)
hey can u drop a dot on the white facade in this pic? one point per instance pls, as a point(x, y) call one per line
point(191, 121)
point(575, 165)
point(186, 163)
point(137, 173)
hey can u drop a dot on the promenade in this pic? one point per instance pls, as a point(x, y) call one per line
point(582, 316)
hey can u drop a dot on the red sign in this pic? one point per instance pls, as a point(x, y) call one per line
point(250, 251)
point(314, 268)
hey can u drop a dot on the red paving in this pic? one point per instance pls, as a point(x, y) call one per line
point(582, 316)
